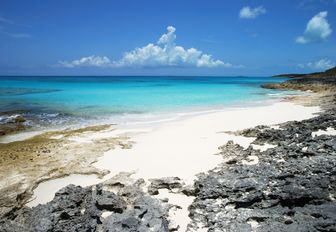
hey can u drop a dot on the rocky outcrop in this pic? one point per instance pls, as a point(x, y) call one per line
point(11, 124)
point(315, 84)
point(327, 73)
point(25, 164)
point(169, 183)
point(95, 208)
point(291, 187)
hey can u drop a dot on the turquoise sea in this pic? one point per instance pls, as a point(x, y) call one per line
point(59, 100)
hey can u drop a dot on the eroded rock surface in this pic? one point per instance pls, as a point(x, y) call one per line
point(169, 183)
point(126, 208)
point(25, 164)
point(11, 124)
point(292, 187)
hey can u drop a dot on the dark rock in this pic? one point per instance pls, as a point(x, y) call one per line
point(19, 119)
point(130, 223)
point(110, 201)
point(79, 209)
point(292, 188)
point(169, 183)
point(188, 190)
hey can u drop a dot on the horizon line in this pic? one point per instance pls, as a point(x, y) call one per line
point(139, 75)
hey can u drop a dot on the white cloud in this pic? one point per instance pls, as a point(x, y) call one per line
point(17, 35)
point(162, 54)
point(5, 20)
point(167, 53)
point(95, 61)
point(8, 22)
point(318, 29)
point(14, 35)
point(322, 64)
point(251, 13)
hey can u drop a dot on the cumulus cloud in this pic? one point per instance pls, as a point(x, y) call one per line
point(93, 61)
point(161, 54)
point(318, 29)
point(251, 13)
point(321, 64)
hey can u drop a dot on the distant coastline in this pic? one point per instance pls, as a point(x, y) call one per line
point(328, 73)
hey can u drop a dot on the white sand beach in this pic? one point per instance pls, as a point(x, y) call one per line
point(181, 148)
point(188, 116)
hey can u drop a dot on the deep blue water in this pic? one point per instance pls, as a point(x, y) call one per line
point(90, 96)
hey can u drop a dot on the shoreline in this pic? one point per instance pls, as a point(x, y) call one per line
point(135, 121)
point(53, 154)
point(162, 150)
point(196, 142)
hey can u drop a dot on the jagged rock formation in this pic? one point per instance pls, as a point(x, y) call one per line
point(291, 187)
point(114, 206)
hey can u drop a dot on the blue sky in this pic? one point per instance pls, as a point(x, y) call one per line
point(154, 37)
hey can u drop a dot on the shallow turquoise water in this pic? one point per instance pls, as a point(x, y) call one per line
point(88, 97)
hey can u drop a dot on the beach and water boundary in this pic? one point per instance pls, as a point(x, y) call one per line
point(169, 146)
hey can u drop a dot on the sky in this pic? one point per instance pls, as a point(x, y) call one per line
point(175, 37)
